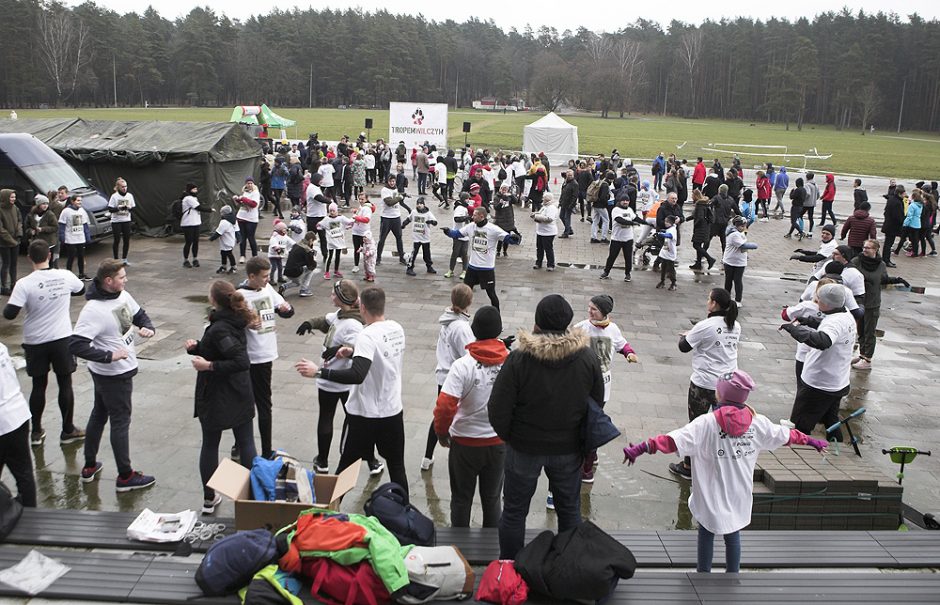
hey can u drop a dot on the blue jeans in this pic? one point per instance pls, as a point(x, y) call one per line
point(706, 548)
point(520, 478)
point(600, 224)
point(566, 220)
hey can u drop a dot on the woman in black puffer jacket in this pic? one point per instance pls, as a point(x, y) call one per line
point(223, 387)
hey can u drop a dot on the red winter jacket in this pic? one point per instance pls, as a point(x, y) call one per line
point(860, 227)
point(763, 188)
point(829, 193)
point(698, 174)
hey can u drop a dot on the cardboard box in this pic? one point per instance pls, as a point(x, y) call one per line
point(234, 481)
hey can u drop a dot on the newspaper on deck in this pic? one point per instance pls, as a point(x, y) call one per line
point(161, 527)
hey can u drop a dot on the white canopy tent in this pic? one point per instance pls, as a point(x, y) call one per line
point(554, 136)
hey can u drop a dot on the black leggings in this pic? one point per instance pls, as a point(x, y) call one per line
point(332, 256)
point(826, 209)
point(734, 276)
point(121, 231)
point(357, 244)
point(37, 400)
point(74, 251)
point(761, 203)
point(425, 251)
point(361, 436)
point(191, 233)
point(261, 388)
point(248, 229)
point(432, 435)
point(701, 252)
point(209, 454)
point(328, 402)
point(8, 265)
point(808, 212)
point(227, 255)
point(615, 249)
point(312, 222)
point(15, 454)
point(393, 226)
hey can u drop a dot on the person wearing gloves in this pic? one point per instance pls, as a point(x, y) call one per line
point(504, 215)
point(334, 225)
point(483, 237)
point(821, 256)
point(735, 257)
point(363, 218)
point(301, 261)
point(452, 342)
point(461, 422)
point(606, 341)
point(190, 223)
point(826, 369)
point(668, 255)
point(621, 238)
point(724, 445)
point(392, 203)
point(461, 244)
point(421, 220)
point(247, 217)
point(546, 228)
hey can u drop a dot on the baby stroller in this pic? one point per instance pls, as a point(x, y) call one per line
point(648, 249)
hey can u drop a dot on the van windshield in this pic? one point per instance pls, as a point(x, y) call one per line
point(49, 177)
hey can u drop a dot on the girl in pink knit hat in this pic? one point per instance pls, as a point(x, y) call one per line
point(723, 446)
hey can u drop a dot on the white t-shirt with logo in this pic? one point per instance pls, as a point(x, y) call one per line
point(483, 244)
point(605, 342)
point(735, 256)
point(315, 208)
point(420, 229)
point(826, 249)
point(829, 369)
point(335, 229)
point(668, 251)
point(810, 291)
point(74, 221)
point(360, 228)
point(279, 246)
point(121, 206)
point(471, 382)
point(14, 410)
point(379, 395)
point(44, 296)
point(723, 468)
point(802, 310)
point(249, 214)
point(342, 332)
point(618, 232)
point(714, 350)
point(326, 174)
point(109, 324)
point(262, 343)
point(390, 211)
point(853, 279)
point(191, 217)
point(226, 231)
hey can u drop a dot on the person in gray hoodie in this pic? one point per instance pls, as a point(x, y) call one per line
point(452, 342)
point(809, 202)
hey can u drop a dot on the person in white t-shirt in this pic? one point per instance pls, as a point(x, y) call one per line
point(461, 422)
point(317, 204)
point(735, 256)
point(363, 225)
point(121, 205)
point(279, 245)
point(421, 221)
point(191, 222)
point(713, 343)
point(483, 239)
point(228, 235)
point(606, 341)
point(334, 226)
point(822, 256)
point(374, 410)
point(74, 233)
point(546, 228)
point(392, 201)
point(326, 172)
point(623, 219)
point(44, 294)
point(262, 342)
point(668, 255)
point(724, 445)
point(248, 203)
point(341, 328)
point(826, 370)
point(14, 432)
point(104, 335)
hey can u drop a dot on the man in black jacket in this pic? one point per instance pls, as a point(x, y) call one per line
point(724, 208)
point(567, 201)
point(537, 407)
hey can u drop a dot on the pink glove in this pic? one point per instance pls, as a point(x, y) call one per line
point(632, 452)
point(819, 444)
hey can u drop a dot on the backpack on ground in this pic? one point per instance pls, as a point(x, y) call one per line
point(594, 190)
point(230, 563)
point(389, 504)
point(337, 584)
point(436, 573)
point(10, 511)
point(502, 584)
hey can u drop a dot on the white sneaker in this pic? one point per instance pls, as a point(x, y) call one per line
point(241, 260)
point(356, 269)
point(208, 506)
point(862, 364)
point(426, 464)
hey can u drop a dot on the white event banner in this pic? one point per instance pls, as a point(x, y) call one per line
point(417, 123)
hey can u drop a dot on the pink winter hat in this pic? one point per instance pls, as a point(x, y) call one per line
point(734, 387)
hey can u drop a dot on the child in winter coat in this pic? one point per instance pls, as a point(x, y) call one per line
point(724, 446)
point(278, 247)
point(335, 227)
point(747, 206)
point(300, 265)
point(421, 220)
point(228, 235)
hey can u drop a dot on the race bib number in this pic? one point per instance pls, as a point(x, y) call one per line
point(265, 309)
point(335, 233)
point(420, 226)
point(125, 324)
point(480, 242)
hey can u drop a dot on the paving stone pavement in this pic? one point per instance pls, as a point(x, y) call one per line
point(900, 392)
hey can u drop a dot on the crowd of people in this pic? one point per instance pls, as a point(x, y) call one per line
point(507, 408)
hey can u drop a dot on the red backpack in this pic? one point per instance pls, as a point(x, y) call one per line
point(337, 584)
point(502, 584)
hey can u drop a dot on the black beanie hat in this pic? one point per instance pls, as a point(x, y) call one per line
point(553, 314)
point(831, 229)
point(604, 303)
point(846, 252)
point(487, 323)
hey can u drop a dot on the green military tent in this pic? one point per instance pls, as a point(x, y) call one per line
point(156, 158)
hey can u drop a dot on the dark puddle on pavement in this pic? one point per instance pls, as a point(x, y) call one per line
point(197, 298)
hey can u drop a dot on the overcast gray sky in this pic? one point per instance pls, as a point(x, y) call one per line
point(517, 13)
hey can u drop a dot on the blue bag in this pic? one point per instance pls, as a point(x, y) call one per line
point(231, 562)
point(389, 504)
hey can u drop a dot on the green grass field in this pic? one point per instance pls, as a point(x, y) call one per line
point(905, 156)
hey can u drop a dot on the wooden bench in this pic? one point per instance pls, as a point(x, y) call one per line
point(152, 578)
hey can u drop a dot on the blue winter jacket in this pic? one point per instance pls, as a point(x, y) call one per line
point(914, 211)
point(783, 179)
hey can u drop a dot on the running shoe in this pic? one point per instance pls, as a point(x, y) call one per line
point(587, 476)
point(338, 274)
point(427, 463)
point(37, 437)
point(376, 467)
point(432, 270)
point(627, 278)
point(326, 275)
point(90, 473)
point(463, 274)
point(680, 470)
point(137, 480)
point(449, 274)
point(604, 276)
point(355, 269)
point(305, 293)
point(195, 262)
point(208, 506)
point(321, 465)
point(862, 364)
point(75, 436)
point(187, 264)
